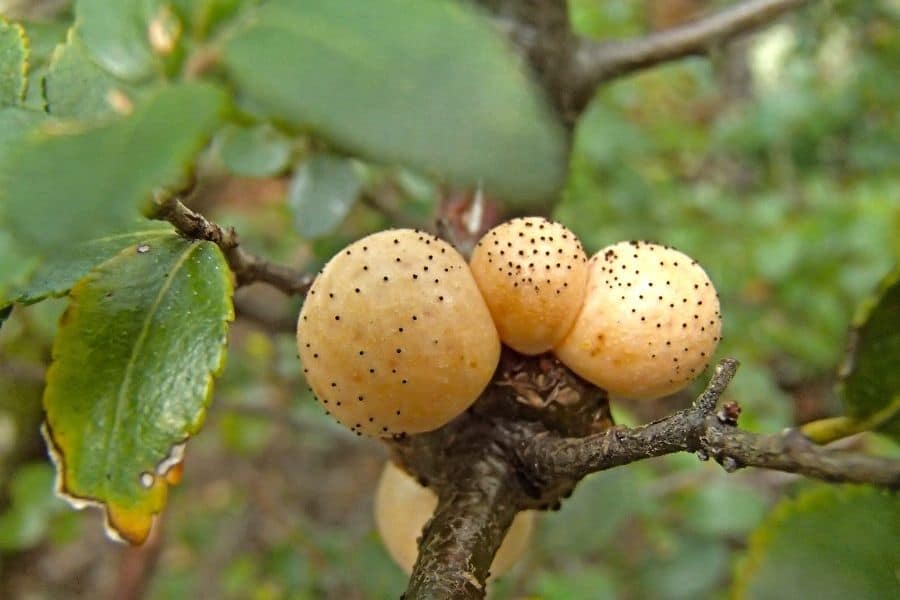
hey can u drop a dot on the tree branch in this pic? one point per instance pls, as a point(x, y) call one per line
point(247, 267)
point(540, 32)
point(595, 62)
point(698, 430)
point(570, 68)
point(538, 429)
point(459, 542)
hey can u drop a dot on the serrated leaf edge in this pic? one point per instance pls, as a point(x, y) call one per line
point(56, 454)
point(60, 292)
point(26, 47)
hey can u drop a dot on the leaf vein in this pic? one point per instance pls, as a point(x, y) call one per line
point(138, 344)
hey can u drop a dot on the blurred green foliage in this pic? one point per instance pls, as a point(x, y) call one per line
point(830, 542)
point(27, 520)
point(775, 164)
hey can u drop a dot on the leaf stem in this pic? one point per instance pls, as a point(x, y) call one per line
point(825, 431)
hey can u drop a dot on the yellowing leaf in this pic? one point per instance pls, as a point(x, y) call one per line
point(132, 374)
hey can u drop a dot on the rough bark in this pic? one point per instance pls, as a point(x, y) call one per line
point(459, 542)
point(708, 435)
point(247, 268)
point(539, 429)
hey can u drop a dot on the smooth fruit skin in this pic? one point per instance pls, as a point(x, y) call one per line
point(394, 335)
point(649, 325)
point(402, 507)
point(533, 275)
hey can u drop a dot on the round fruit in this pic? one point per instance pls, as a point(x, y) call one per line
point(649, 324)
point(402, 507)
point(533, 274)
point(394, 335)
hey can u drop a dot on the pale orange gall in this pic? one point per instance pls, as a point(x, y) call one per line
point(394, 335)
point(532, 273)
point(649, 325)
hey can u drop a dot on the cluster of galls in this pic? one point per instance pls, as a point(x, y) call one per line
point(400, 335)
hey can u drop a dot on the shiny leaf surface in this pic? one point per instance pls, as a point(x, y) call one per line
point(132, 375)
point(61, 270)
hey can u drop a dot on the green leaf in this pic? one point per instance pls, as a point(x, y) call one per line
point(69, 183)
point(828, 543)
point(15, 123)
point(617, 491)
point(13, 63)
point(870, 379)
point(258, 151)
point(426, 83)
point(322, 192)
point(15, 263)
point(75, 86)
point(62, 270)
point(132, 375)
point(118, 35)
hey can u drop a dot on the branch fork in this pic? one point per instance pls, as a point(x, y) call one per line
point(488, 464)
point(247, 268)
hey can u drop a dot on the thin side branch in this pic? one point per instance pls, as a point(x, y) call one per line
point(791, 452)
point(538, 430)
point(571, 68)
point(247, 267)
point(701, 430)
point(595, 63)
